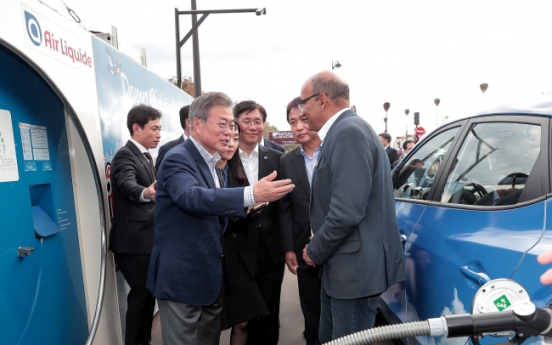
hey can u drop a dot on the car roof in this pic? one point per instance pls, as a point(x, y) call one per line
point(533, 105)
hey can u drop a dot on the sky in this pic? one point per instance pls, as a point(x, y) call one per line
point(405, 52)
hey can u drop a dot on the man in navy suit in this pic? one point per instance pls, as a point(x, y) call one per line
point(187, 262)
point(185, 124)
point(352, 213)
point(133, 223)
point(298, 165)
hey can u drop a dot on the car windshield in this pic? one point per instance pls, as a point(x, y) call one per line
point(496, 159)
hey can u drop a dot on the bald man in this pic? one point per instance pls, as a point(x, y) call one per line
point(355, 234)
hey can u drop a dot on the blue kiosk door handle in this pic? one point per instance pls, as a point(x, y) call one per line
point(24, 251)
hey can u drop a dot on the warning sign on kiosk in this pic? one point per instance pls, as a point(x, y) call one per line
point(8, 159)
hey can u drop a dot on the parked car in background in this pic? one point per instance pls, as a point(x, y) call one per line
point(472, 205)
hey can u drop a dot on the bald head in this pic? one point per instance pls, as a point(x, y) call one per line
point(329, 83)
point(332, 95)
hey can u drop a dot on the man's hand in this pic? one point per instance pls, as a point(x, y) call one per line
point(266, 189)
point(543, 259)
point(149, 193)
point(291, 262)
point(306, 257)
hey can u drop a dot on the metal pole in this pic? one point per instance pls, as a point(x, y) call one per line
point(197, 70)
point(178, 62)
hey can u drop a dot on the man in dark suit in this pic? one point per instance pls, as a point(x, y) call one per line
point(187, 261)
point(385, 139)
point(132, 228)
point(264, 229)
point(272, 145)
point(352, 213)
point(185, 126)
point(298, 165)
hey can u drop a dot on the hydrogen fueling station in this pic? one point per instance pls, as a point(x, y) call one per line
point(64, 96)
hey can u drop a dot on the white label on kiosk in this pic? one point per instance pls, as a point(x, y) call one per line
point(39, 139)
point(25, 130)
point(8, 160)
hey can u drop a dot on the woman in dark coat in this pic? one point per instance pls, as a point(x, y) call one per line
point(243, 300)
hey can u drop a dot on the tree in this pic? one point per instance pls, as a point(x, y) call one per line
point(188, 86)
point(268, 128)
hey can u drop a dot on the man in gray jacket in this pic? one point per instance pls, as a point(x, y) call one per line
point(352, 213)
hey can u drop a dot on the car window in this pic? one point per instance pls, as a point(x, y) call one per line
point(493, 164)
point(415, 178)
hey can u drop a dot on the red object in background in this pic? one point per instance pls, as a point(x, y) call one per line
point(420, 131)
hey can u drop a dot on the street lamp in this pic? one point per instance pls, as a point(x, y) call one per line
point(336, 64)
point(483, 88)
point(406, 111)
point(193, 31)
point(386, 106)
point(437, 101)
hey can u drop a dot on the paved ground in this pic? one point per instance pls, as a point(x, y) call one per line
point(291, 319)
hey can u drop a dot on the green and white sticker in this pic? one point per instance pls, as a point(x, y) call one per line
point(502, 303)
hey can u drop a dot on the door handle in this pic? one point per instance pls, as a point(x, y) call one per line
point(403, 238)
point(24, 251)
point(478, 277)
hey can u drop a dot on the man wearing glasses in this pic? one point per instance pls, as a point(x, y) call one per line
point(187, 262)
point(263, 233)
point(355, 235)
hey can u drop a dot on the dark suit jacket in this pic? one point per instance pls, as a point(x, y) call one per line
point(132, 227)
point(235, 241)
point(352, 212)
point(191, 217)
point(272, 145)
point(165, 148)
point(294, 207)
point(392, 155)
point(269, 161)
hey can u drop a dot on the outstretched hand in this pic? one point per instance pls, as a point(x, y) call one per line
point(268, 190)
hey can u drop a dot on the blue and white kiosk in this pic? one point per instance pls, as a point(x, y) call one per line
point(64, 96)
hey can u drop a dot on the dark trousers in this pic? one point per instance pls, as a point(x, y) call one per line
point(265, 330)
point(140, 301)
point(309, 284)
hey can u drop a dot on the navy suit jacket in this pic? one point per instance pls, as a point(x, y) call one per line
point(164, 149)
point(272, 145)
point(191, 216)
point(294, 207)
point(352, 212)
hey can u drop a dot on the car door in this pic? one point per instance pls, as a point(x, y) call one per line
point(413, 184)
point(486, 212)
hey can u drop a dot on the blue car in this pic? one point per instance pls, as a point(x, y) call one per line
point(472, 206)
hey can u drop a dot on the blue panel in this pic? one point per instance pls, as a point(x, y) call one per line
point(451, 249)
point(42, 300)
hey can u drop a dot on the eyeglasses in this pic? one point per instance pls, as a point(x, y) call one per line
point(301, 103)
point(223, 126)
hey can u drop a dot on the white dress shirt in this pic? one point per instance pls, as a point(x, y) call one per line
point(143, 150)
point(251, 164)
point(324, 130)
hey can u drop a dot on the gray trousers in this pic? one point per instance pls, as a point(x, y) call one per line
point(185, 324)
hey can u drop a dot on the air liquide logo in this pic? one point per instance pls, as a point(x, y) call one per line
point(33, 29)
point(51, 39)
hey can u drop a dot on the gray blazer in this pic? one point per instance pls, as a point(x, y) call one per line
point(352, 212)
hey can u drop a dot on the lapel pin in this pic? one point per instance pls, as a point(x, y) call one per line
point(265, 157)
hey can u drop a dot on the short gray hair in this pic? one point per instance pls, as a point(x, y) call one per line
point(334, 88)
point(201, 106)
